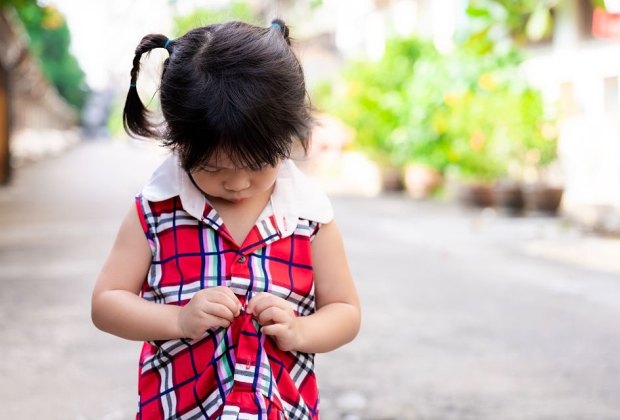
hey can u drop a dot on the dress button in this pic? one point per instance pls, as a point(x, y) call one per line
point(241, 259)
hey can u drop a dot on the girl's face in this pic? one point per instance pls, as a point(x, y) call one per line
point(221, 180)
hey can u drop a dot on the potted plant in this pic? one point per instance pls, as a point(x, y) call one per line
point(467, 114)
point(473, 117)
point(370, 99)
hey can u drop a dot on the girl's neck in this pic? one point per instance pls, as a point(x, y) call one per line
point(240, 218)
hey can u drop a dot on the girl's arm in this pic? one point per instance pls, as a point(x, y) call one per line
point(118, 309)
point(337, 319)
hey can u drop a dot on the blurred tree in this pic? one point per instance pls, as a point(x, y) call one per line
point(236, 10)
point(526, 20)
point(468, 112)
point(371, 99)
point(49, 43)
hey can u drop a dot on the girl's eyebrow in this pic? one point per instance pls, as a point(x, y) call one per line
point(220, 167)
point(228, 167)
point(216, 166)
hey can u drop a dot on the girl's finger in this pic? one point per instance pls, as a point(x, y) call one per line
point(219, 310)
point(258, 303)
point(272, 315)
point(226, 297)
point(264, 300)
point(273, 330)
point(215, 321)
point(228, 292)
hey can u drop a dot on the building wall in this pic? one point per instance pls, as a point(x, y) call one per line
point(580, 75)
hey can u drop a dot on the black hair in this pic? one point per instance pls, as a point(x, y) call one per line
point(233, 88)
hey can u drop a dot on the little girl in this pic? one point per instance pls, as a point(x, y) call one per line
point(229, 264)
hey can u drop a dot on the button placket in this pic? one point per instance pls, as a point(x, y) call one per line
point(239, 270)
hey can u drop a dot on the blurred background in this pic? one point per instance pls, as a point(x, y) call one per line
point(472, 152)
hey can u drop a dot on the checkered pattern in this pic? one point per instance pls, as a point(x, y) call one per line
point(235, 372)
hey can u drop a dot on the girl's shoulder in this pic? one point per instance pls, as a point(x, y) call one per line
point(165, 182)
point(170, 187)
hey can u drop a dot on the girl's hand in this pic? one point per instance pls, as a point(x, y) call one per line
point(277, 318)
point(209, 308)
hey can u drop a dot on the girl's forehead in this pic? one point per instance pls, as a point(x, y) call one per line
point(232, 155)
point(221, 160)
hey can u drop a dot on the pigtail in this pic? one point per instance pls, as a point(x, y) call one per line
point(135, 115)
point(282, 28)
point(301, 131)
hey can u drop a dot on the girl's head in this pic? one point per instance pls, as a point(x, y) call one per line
point(230, 89)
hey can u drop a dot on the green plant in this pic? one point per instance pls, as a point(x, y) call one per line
point(469, 112)
point(523, 21)
point(236, 10)
point(49, 43)
point(370, 98)
point(472, 114)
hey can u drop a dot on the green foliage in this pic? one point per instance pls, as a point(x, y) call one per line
point(473, 114)
point(371, 98)
point(49, 42)
point(236, 10)
point(115, 118)
point(524, 20)
point(16, 3)
point(468, 112)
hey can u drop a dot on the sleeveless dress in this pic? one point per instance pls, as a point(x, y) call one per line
point(235, 372)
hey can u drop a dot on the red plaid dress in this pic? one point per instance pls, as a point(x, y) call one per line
point(235, 372)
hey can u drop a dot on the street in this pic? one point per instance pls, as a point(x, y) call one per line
point(467, 314)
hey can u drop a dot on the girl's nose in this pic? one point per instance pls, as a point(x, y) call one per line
point(236, 183)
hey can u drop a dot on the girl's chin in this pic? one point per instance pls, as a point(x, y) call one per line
point(224, 199)
point(231, 200)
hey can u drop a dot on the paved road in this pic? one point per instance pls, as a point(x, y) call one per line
point(467, 315)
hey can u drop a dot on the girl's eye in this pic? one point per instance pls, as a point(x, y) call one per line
point(211, 170)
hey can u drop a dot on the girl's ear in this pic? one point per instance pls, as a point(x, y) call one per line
point(135, 114)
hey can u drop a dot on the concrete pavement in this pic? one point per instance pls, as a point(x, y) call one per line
point(467, 314)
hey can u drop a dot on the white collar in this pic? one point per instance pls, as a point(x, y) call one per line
point(294, 197)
